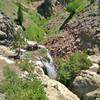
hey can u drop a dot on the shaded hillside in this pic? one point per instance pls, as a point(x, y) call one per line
point(84, 29)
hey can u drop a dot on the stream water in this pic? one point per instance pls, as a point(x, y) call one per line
point(48, 63)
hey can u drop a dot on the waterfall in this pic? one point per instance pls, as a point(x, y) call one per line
point(51, 71)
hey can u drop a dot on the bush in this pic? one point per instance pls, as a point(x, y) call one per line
point(34, 33)
point(77, 5)
point(70, 69)
point(18, 89)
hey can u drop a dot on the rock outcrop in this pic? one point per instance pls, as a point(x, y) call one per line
point(94, 95)
point(7, 29)
point(86, 84)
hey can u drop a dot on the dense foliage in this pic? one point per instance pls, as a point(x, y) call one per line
point(72, 67)
point(19, 89)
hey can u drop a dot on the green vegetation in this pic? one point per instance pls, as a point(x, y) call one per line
point(19, 89)
point(38, 19)
point(25, 65)
point(35, 33)
point(19, 15)
point(72, 67)
point(19, 41)
point(35, 24)
point(74, 7)
point(77, 5)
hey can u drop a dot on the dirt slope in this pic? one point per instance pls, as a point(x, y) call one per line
point(81, 33)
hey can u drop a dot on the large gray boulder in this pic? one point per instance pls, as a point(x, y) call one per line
point(85, 82)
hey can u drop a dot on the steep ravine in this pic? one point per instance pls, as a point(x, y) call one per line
point(38, 55)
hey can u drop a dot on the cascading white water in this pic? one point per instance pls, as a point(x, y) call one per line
point(51, 71)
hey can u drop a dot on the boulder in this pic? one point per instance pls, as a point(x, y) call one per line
point(87, 81)
point(94, 95)
point(94, 58)
point(54, 89)
point(94, 67)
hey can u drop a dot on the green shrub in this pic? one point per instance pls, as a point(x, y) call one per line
point(72, 67)
point(18, 89)
point(77, 5)
point(34, 33)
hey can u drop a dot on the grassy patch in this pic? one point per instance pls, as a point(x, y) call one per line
point(38, 19)
point(77, 5)
point(34, 33)
point(18, 89)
